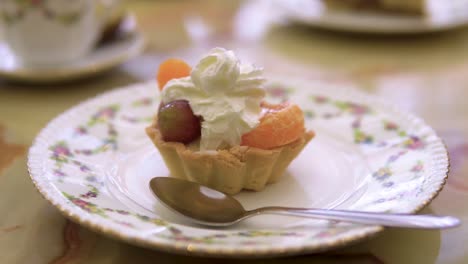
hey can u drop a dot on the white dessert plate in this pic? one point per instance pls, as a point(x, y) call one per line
point(441, 15)
point(127, 43)
point(94, 163)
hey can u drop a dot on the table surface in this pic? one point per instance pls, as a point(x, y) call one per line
point(425, 74)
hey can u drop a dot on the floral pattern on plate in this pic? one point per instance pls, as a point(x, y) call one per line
point(69, 159)
point(18, 9)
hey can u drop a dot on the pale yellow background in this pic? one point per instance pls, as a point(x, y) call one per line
point(425, 74)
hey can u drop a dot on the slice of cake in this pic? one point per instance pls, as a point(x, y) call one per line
point(400, 6)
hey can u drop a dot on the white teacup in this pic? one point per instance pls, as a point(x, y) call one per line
point(52, 32)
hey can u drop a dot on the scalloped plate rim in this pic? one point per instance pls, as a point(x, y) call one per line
point(44, 186)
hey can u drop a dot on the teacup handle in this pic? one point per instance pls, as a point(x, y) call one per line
point(107, 7)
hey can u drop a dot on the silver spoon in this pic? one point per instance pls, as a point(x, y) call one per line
point(209, 207)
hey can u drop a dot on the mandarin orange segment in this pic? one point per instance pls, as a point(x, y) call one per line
point(280, 125)
point(171, 69)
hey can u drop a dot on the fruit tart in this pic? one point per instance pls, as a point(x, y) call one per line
point(214, 127)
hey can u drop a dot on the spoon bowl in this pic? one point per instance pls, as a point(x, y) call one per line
point(199, 203)
point(209, 207)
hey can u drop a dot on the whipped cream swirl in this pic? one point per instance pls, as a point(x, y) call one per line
point(225, 93)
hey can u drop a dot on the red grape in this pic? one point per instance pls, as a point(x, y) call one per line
point(177, 122)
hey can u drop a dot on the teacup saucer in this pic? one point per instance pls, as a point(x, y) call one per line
point(127, 43)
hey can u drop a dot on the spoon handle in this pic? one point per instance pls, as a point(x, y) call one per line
point(384, 219)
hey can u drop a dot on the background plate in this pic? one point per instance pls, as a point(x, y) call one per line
point(441, 15)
